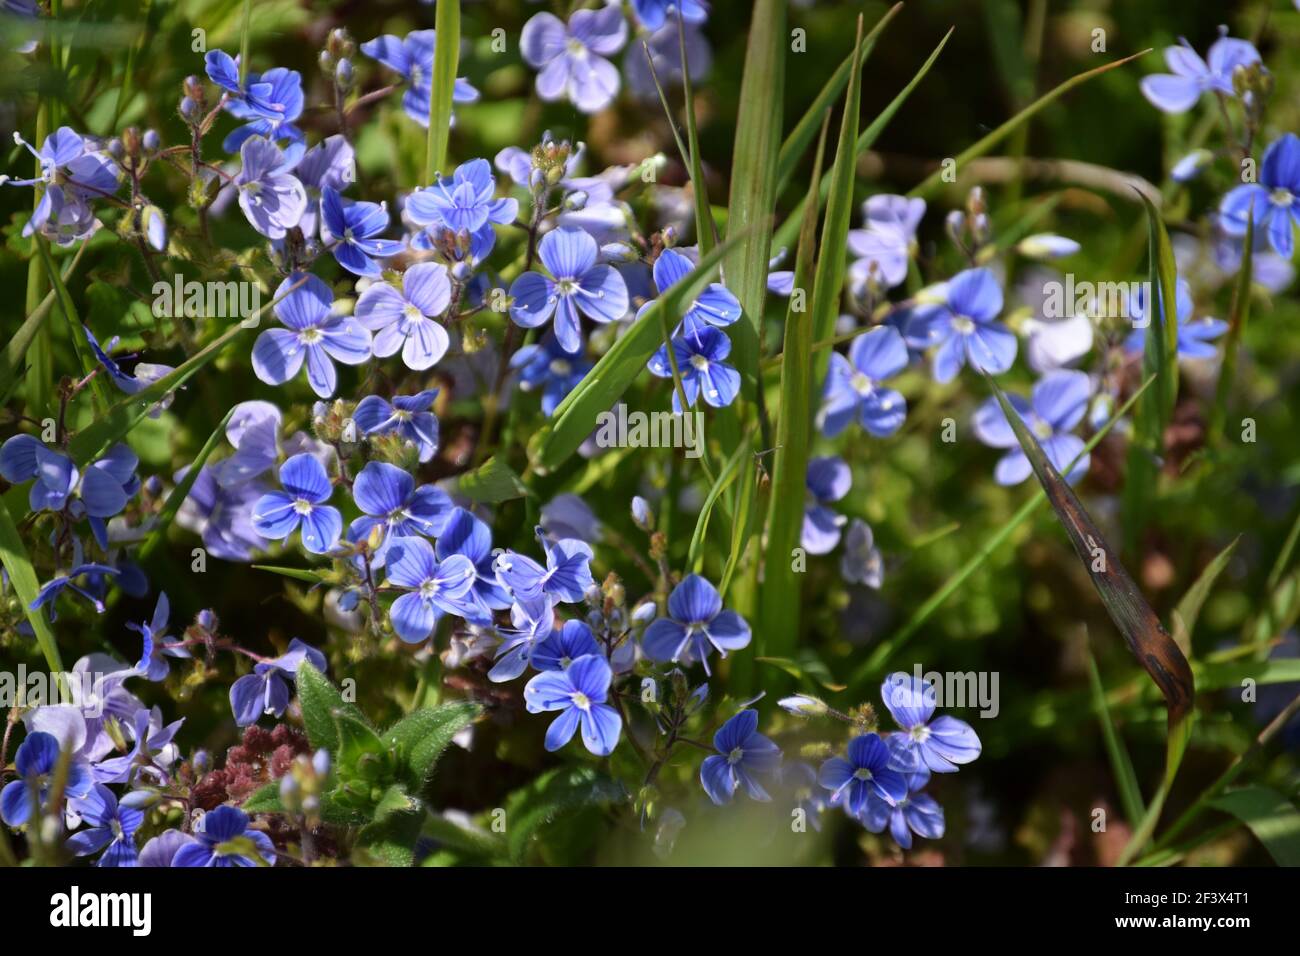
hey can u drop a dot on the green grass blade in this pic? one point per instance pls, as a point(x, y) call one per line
point(602, 387)
point(298, 574)
point(26, 585)
point(805, 130)
point(1183, 621)
point(40, 358)
point(786, 234)
point(1270, 816)
point(1130, 795)
point(446, 60)
point(779, 601)
point(11, 359)
point(75, 331)
point(245, 33)
point(873, 665)
point(1236, 327)
point(182, 490)
point(695, 555)
point(935, 180)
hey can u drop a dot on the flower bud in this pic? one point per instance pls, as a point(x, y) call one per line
point(152, 142)
point(802, 705)
point(642, 514)
point(344, 75)
point(575, 201)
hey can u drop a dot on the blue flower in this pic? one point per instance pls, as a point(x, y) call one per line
point(405, 319)
point(433, 588)
point(566, 577)
point(214, 834)
point(696, 625)
point(151, 751)
point(1275, 199)
point(1058, 403)
point(272, 198)
point(314, 334)
point(561, 648)
point(653, 13)
point(278, 514)
point(407, 416)
point(828, 480)
point(36, 762)
point(331, 164)
point(532, 621)
point(1192, 77)
point(50, 591)
point(699, 354)
point(354, 225)
point(884, 247)
point(853, 385)
point(1194, 338)
point(546, 365)
point(464, 534)
point(572, 59)
point(861, 562)
point(412, 58)
point(939, 744)
point(716, 306)
point(146, 373)
point(574, 283)
point(464, 203)
point(222, 515)
point(153, 657)
point(579, 693)
point(266, 690)
point(964, 327)
point(917, 812)
point(390, 500)
point(73, 175)
point(161, 850)
point(868, 769)
point(223, 70)
point(111, 829)
point(271, 114)
point(742, 752)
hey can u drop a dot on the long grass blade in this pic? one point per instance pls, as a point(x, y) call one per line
point(1130, 795)
point(26, 585)
point(1236, 328)
point(182, 490)
point(446, 60)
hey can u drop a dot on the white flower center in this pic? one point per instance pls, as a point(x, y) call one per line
point(736, 756)
point(1281, 196)
point(700, 363)
point(309, 336)
point(963, 325)
point(560, 368)
point(581, 700)
point(920, 733)
point(862, 773)
point(862, 383)
point(302, 506)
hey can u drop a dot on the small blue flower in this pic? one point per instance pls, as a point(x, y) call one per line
point(1194, 338)
point(223, 70)
point(464, 534)
point(532, 621)
point(150, 755)
point(564, 646)
point(404, 320)
point(412, 58)
point(146, 373)
point(407, 416)
point(153, 663)
point(861, 562)
point(354, 225)
point(278, 514)
point(330, 164)
point(696, 625)
point(434, 587)
point(314, 335)
point(464, 203)
point(579, 693)
point(214, 833)
point(161, 850)
point(828, 480)
point(939, 744)
point(884, 247)
point(546, 365)
point(272, 198)
point(716, 306)
point(653, 13)
point(36, 762)
point(965, 329)
point(50, 591)
point(389, 499)
point(111, 828)
point(572, 60)
point(266, 690)
point(699, 354)
point(1273, 202)
point(742, 752)
point(1057, 405)
point(1192, 77)
point(917, 812)
point(868, 769)
point(73, 175)
point(566, 577)
point(271, 114)
point(853, 385)
point(575, 283)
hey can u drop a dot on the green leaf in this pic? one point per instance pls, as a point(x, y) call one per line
point(421, 737)
point(802, 135)
point(602, 387)
point(446, 59)
point(75, 333)
point(16, 349)
point(1271, 817)
point(1130, 795)
point(935, 179)
point(753, 180)
point(1183, 620)
point(695, 554)
point(1237, 320)
point(474, 842)
point(319, 700)
point(779, 599)
point(356, 740)
point(26, 586)
point(265, 799)
point(789, 229)
point(391, 841)
point(556, 793)
point(395, 800)
point(178, 495)
point(491, 483)
point(298, 574)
